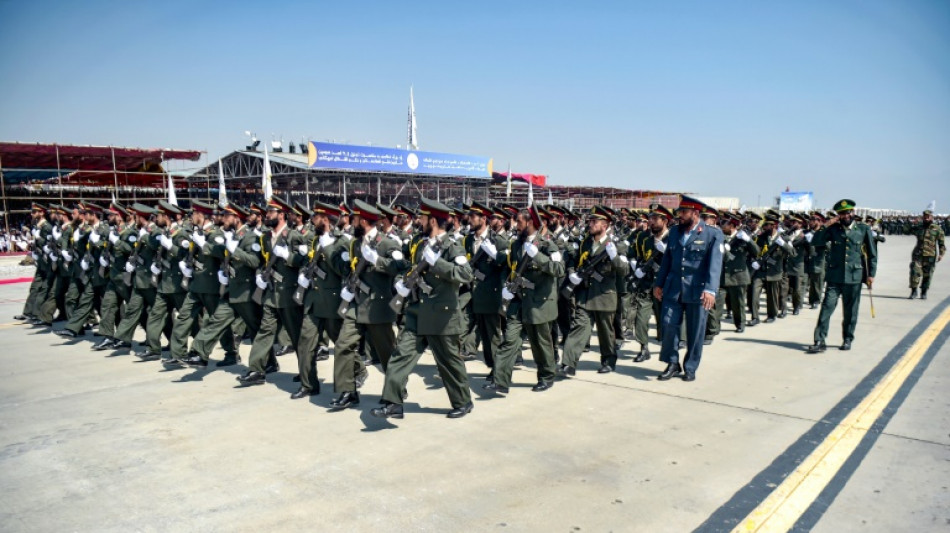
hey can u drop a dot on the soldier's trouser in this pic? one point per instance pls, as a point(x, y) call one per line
point(782, 303)
point(542, 351)
point(112, 300)
point(312, 331)
point(565, 313)
point(736, 300)
point(187, 317)
point(617, 319)
point(754, 298)
point(921, 270)
point(136, 308)
point(714, 320)
point(816, 282)
point(673, 314)
point(227, 314)
point(160, 319)
point(283, 336)
point(773, 298)
point(83, 310)
point(37, 294)
point(448, 361)
point(347, 364)
point(73, 294)
point(468, 340)
point(54, 299)
point(639, 313)
point(850, 295)
point(795, 287)
point(489, 330)
point(290, 318)
point(580, 333)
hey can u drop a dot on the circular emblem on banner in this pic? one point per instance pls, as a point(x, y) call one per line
point(413, 161)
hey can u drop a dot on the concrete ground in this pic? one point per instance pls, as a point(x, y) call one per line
point(106, 443)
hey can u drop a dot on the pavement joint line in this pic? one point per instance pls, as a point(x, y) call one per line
point(915, 439)
point(789, 501)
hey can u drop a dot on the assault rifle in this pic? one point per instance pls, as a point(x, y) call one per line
point(415, 279)
point(353, 283)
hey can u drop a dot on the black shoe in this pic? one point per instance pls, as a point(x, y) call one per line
point(644, 355)
point(229, 360)
point(783, 314)
point(282, 350)
point(252, 378)
point(469, 357)
point(519, 361)
point(459, 412)
point(770, 320)
point(304, 392)
point(121, 345)
point(196, 360)
point(361, 379)
point(173, 363)
point(818, 347)
point(797, 311)
point(923, 295)
point(296, 379)
point(913, 294)
point(752, 323)
point(740, 329)
point(390, 410)
point(707, 341)
point(271, 368)
point(492, 386)
point(813, 306)
point(106, 344)
point(689, 376)
point(565, 370)
point(672, 371)
point(167, 348)
point(605, 369)
point(542, 386)
point(323, 353)
point(148, 355)
point(346, 399)
point(846, 345)
point(21, 318)
point(68, 334)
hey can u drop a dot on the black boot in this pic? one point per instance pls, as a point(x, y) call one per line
point(673, 370)
point(913, 294)
point(923, 294)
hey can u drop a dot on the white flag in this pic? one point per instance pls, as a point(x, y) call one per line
point(550, 197)
point(508, 193)
point(413, 143)
point(113, 197)
point(222, 195)
point(172, 197)
point(933, 206)
point(266, 186)
point(530, 192)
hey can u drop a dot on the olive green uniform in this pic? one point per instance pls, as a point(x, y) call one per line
point(117, 291)
point(929, 249)
point(850, 250)
point(488, 276)
point(143, 293)
point(170, 294)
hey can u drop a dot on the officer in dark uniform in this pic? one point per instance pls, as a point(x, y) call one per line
point(739, 247)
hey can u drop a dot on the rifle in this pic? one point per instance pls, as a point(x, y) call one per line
point(107, 251)
point(588, 271)
point(156, 278)
point(412, 281)
point(309, 271)
point(54, 249)
point(353, 282)
point(268, 271)
point(136, 262)
point(517, 283)
point(480, 254)
point(227, 268)
point(190, 260)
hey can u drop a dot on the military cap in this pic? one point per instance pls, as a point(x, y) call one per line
point(330, 210)
point(276, 203)
point(499, 212)
point(236, 210)
point(601, 212)
point(843, 206)
point(301, 209)
point(557, 210)
point(90, 207)
point(928, 212)
point(402, 209)
point(36, 206)
point(773, 213)
point(480, 209)
point(256, 209)
point(345, 210)
point(200, 207)
point(366, 211)
point(434, 209)
point(386, 210)
point(709, 210)
point(546, 215)
point(754, 216)
point(512, 210)
point(168, 208)
point(731, 218)
point(142, 210)
point(535, 216)
point(661, 210)
point(688, 202)
point(118, 209)
point(771, 218)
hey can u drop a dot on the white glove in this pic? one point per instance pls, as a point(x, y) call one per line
point(401, 289)
point(781, 230)
point(103, 261)
point(727, 247)
point(756, 265)
point(199, 239)
point(489, 248)
point(345, 256)
point(155, 269)
point(76, 235)
point(633, 263)
point(430, 256)
point(744, 236)
point(506, 294)
point(95, 237)
point(611, 250)
point(231, 245)
point(639, 273)
point(222, 278)
point(184, 268)
point(36, 233)
point(303, 249)
point(261, 284)
point(659, 245)
point(46, 249)
point(129, 267)
point(575, 279)
point(113, 237)
point(166, 242)
point(563, 237)
point(531, 249)
point(780, 241)
point(53, 258)
point(57, 233)
point(281, 251)
point(143, 232)
point(346, 295)
point(34, 256)
point(369, 254)
point(873, 233)
point(84, 264)
point(809, 236)
point(67, 256)
point(302, 280)
point(326, 240)
point(228, 235)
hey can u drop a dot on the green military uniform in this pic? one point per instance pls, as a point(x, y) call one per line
point(929, 249)
point(647, 251)
point(796, 269)
point(39, 287)
point(769, 270)
point(489, 274)
point(112, 262)
point(815, 268)
point(852, 254)
point(56, 296)
point(138, 274)
point(91, 282)
point(738, 249)
point(170, 247)
point(78, 278)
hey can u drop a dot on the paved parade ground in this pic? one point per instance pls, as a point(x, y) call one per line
point(767, 437)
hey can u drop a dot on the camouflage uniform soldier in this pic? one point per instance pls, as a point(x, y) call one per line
point(928, 251)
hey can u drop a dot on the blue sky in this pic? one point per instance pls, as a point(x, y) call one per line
point(844, 98)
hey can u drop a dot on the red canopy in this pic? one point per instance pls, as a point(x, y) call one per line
point(538, 180)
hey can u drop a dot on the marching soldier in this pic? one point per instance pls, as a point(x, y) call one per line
point(166, 277)
point(57, 253)
point(738, 249)
point(91, 281)
point(796, 263)
point(710, 216)
point(769, 268)
point(815, 262)
point(594, 278)
point(648, 248)
point(112, 261)
point(928, 251)
point(431, 318)
point(852, 254)
point(39, 287)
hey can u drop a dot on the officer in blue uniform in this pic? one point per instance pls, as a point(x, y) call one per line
point(686, 285)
